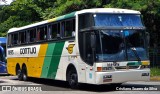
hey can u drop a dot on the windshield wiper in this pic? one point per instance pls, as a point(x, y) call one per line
point(135, 53)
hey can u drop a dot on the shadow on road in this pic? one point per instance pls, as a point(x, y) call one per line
point(4, 74)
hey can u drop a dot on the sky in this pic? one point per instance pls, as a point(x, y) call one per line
point(7, 2)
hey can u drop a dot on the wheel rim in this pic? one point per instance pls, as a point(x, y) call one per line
point(73, 79)
point(24, 74)
point(24, 77)
point(19, 73)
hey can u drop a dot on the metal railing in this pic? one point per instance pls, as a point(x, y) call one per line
point(154, 55)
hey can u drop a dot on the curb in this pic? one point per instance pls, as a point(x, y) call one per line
point(155, 78)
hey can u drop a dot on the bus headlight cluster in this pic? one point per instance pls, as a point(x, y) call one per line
point(99, 69)
point(145, 66)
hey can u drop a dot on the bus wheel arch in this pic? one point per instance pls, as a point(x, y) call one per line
point(72, 76)
point(18, 71)
point(24, 72)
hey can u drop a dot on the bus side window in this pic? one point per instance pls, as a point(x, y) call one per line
point(12, 40)
point(9, 40)
point(63, 27)
point(49, 35)
point(70, 28)
point(59, 34)
point(32, 35)
point(27, 36)
point(15, 39)
point(42, 33)
point(54, 31)
point(22, 37)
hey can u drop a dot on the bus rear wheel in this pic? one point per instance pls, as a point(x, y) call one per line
point(19, 74)
point(24, 73)
point(73, 79)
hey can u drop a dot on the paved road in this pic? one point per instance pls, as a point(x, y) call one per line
point(60, 87)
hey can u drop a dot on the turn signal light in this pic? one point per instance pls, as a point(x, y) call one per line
point(99, 69)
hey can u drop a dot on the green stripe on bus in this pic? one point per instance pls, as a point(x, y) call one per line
point(47, 60)
point(134, 63)
point(66, 16)
point(54, 60)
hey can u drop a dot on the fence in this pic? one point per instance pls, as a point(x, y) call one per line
point(154, 55)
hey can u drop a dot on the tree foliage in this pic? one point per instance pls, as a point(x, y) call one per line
point(23, 12)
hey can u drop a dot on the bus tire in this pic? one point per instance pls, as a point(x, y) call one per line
point(24, 73)
point(19, 75)
point(72, 78)
point(116, 84)
point(19, 72)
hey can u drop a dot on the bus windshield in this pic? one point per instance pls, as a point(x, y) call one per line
point(117, 19)
point(119, 37)
point(120, 45)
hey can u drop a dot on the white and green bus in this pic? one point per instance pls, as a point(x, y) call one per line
point(94, 46)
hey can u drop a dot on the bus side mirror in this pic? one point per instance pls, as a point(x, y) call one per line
point(93, 40)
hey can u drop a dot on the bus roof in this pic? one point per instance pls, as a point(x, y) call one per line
point(94, 10)
point(108, 10)
point(70, 15)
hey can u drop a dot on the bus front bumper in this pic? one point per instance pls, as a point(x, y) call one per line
point(122, 76)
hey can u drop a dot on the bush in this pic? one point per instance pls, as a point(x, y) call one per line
point(155, 71)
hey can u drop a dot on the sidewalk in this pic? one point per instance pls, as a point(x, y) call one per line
point(155, 78)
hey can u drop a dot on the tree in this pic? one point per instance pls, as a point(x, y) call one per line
point(61, 7)
point(29, 11)
point(18, 14)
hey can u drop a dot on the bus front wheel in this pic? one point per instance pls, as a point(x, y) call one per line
point(73, 79)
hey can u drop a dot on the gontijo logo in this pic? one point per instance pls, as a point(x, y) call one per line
point(70, 48)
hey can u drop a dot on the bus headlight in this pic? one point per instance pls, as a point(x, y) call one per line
point(145, 66)
point(100, 69)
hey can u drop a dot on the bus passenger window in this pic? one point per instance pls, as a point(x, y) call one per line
point(12, 40)
point(49, 32)
point(59, 35)
point(32, 35)
point(22, 37)
point(9, 40)
point(15, 39)
point(42, 33)
point(70, 28)
point(63, 25)
point(54, 31)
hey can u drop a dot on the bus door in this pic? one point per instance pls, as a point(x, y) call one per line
point(89, 58)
